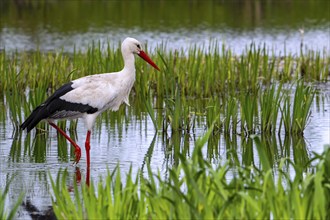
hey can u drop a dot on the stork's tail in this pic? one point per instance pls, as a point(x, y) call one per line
point(35, 117)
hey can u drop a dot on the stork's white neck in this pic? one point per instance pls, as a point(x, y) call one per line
point(129, 62)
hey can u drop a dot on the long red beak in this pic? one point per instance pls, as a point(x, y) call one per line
point(144, 56)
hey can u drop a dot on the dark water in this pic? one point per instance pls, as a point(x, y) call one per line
point(56, 25)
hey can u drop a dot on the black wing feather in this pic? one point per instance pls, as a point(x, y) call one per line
point(53, 105)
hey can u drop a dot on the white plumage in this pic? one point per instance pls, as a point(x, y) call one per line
point(89, 96)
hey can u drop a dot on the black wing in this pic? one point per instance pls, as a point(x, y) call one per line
point(56, 108)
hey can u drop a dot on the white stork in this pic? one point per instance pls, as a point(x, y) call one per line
point(89, 96)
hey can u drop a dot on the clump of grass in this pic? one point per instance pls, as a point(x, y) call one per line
point(231, 116)
point(295, 116)
point(270, 101)
point(259, 111)
point(303, 98)
point(249, 112)
point(177, 114)
point(213, 114)
point(111, 199)
point(146, 98)
point(195, 188)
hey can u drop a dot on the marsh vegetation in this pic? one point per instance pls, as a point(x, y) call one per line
point(228, 129)
point(210, 94)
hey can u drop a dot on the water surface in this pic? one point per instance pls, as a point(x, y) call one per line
point(68, 25)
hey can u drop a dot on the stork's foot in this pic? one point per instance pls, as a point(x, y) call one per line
point(77, 152)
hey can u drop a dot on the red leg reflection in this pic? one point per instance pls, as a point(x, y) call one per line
point(78, 175)
point(87, 176)
point(77, 179)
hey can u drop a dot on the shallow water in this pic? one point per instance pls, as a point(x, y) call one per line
point(28, 159)
point(277, 42)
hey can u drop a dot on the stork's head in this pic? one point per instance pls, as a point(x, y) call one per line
point(131, 45)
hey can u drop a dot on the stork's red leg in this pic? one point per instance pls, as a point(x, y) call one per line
point(77, 148)
point(78, 174)
point(88, 147)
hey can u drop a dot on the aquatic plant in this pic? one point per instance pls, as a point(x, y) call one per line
point(197, 189)
point(198, 72)
point(270, 101)
point(245, 91)
point(295, 115)
point(231, 115)
point(249, 112)
point(303, 98)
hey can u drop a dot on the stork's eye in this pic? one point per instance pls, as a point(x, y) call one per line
point(138, 45)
